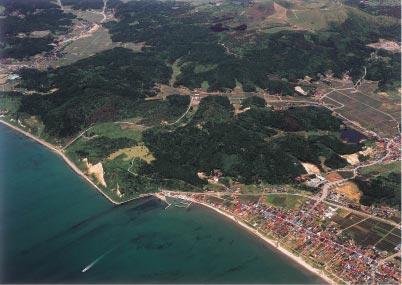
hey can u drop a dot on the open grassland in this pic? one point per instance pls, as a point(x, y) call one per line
point(379, 169)
point(273, 16)
point(316, 18)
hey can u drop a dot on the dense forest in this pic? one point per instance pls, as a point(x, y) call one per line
point(267, 147)
point(103, 87)
point(83, 4)
point(174, 33)
point(292, 119)
point(256, 145)
point(24, 17)
point(243, 146)
point(381, 190)
point(380, 8)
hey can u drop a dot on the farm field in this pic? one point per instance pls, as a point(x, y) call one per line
point(366, 231)
point(366, 107)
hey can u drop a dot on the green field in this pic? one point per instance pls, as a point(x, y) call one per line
point(379, 169)
point(9, 103)
point(286, 201)
point(116, 130)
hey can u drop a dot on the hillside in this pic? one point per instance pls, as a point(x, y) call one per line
point(165, 93)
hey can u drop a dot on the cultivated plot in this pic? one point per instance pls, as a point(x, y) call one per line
point(365, 107)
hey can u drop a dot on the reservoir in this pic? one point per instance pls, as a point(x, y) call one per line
point(55, 228)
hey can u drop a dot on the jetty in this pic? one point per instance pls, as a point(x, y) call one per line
point(173, 200)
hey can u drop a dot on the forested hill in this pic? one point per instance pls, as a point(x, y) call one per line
point(185, 36)
point(136, 97)
point(257, 145)
point(21, 19)
point(174, 31)
point(100, 88)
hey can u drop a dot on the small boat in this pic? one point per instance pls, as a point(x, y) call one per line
point(89, 266)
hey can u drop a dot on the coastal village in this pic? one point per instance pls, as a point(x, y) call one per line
point(311, 233)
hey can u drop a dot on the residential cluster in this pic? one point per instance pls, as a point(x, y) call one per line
point(392, 147)
point(309, 232)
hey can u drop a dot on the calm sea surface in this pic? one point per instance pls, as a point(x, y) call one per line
point(53, 226)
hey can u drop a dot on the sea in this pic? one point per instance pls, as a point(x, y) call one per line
point(56, 228)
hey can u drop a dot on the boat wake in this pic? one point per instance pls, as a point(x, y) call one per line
point(89, 266)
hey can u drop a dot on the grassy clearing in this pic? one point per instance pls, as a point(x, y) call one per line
point(318, 19)
point(88, 15)
point(113, 131)
point(379, 169)
point(176, 72)
point(205, 85)
point(286, 201)
point(35, 125)
point(248, 198)
point(85, 47)
point(74, 157)
point(367, 107)
point(11, 104)
point(214, 187)
point(248, 188)
point(379, 231)
point(199, 68)
point(138, 151)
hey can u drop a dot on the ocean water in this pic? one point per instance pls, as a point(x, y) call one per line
point(54, 226)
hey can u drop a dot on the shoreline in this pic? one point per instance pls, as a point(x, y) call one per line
point(270, 242)
point(248, 228)
point(70, 164)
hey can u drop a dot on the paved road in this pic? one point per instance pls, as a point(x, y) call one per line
point(185, 113)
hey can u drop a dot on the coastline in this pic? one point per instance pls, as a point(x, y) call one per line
point(64, 157)
point(249, 229)
point(265, 239)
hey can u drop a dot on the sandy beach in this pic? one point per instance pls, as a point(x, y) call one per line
point(64, 157)
point(270, 242)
